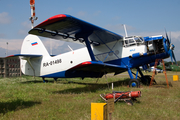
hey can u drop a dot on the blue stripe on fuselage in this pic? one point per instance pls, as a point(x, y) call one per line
point(136, 62)
point(124, 63)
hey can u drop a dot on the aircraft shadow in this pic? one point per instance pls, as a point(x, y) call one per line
point(162, 85)
point(37, 81)
point(117, 83)
point(15, 105)
point(91, 87)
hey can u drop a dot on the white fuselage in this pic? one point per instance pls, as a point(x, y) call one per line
point(48, 65)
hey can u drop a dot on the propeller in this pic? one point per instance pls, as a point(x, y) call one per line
point(171, 48)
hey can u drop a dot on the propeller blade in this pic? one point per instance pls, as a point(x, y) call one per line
point(167, 37)
point(171, 48)
point(170, 37)
point(170, 53)
point(174, 57)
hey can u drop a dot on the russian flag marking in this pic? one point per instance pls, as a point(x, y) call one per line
point(34, 43)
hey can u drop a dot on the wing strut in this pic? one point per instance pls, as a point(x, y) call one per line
point(89, 49)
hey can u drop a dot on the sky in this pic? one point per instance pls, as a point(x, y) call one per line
point(141, 17)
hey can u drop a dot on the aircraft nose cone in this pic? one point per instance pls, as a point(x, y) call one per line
point(172, 47)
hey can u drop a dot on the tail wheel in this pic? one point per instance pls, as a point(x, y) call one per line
point(134, 83)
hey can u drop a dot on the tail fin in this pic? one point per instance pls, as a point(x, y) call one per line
point(33, 45)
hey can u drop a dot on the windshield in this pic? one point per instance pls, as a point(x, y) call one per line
point(134, 40)
point(137, 39)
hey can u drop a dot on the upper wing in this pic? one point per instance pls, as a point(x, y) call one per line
point(68, 28)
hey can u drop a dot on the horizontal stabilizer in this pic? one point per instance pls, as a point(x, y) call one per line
point(24, 55)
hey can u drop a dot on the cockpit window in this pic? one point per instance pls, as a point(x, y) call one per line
point(141, 38)
point(137, 39)
point(126, 41)
point(131, 41)
point(134, 40)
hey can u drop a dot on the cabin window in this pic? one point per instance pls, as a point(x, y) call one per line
point(126, 41)
point(131, 41)
point(137, 40)
point(134, 40)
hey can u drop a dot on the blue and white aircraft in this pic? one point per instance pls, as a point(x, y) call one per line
point(105, 51)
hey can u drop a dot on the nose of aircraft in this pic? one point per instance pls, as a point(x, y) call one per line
point(170, 48)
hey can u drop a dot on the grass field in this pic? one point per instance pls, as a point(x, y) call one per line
point(24, 98)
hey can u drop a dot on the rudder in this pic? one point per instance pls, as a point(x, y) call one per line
point(33, 45)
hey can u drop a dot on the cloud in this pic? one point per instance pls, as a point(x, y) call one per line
point(58, 46)
point(81, 13)
point(97, 13)
point(5, 52)
point(4, 18)
point(114, 27)
point(175, 35)
point(116, 18)
point(118, 27)
point(69, 9)
point(13, 44)
point(51, 43)
point(64, 48)
point(25, 27)
point(2, 35)
point(26, 24)
point(144, 34)
point(22, 32)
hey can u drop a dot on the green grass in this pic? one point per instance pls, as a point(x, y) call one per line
point(70, 99)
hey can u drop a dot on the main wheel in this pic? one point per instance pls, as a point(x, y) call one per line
point(134, 83)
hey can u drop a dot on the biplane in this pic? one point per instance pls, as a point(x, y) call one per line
point(104, 52)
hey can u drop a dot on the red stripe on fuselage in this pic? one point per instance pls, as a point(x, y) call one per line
point(81, 65)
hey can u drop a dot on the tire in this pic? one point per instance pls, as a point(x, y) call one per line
point(134, 83)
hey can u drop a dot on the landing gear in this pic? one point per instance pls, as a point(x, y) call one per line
point(134, 83)
point(55, 80)
point(44, 81)
point(147, 79)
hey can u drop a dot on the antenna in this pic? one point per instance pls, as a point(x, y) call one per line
point(125, 29)
point(33, 16)
point(7, 49)
point(71, 49)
